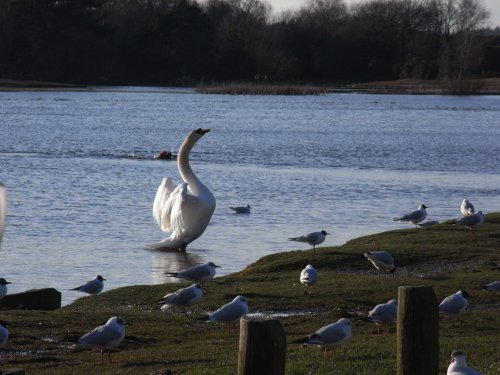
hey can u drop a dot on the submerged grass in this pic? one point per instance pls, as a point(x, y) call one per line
point(445, 256)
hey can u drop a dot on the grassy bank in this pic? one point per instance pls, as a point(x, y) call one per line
point(445, 256)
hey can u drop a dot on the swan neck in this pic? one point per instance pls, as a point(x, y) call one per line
point(187, 174)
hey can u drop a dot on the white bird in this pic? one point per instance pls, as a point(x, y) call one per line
point(185, 210)
point(467, 208)
point(241, 209)
point(414, 217)
point(314, 238)
point(308, 276)
point(105, 337)
point(382, 260)
point(231, 312)
point(93, 286)
point(183, 297)
point(3, 209)
point(458, 365)
point(493, 287)
point(198, 273)
point(471, 221)
point(455, 303)
point(4, 334)
point(384, 313)
point(330, 336)
point(3, 287)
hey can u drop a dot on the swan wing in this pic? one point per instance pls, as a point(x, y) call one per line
point(162, 196)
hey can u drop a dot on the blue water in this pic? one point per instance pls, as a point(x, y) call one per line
point(81, 180)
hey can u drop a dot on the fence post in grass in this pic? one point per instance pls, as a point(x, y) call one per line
point(262, 347)
point(418, 331)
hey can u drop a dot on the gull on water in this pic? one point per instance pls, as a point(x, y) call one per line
point(458, 365)
point(231, 312)
point(198, 273)
point(471, 221)
point(382, 260)
point(308, 276)
point(241, 209)
point(93, 286)
point(384, 313)
point(183, 297)
point(493, 286)
point(105, 337)
point(3, 287)
point(414, 217)
point(455, 303)
point(4, 334)
point(467, 208)
point(314, 238)
point(330, 336)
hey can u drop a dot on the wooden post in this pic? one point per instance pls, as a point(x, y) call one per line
point(262, 347)
point(418, 331)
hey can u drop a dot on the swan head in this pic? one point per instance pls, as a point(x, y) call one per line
point(200, 131)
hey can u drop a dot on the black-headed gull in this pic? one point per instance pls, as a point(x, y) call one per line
point(382, 260)
point(241, 209)
point(458, 365)
point(493, 286)
point(308, 276)
point(197, 273)
point(384, 313)
point(330, 336)
point(414, 217)
point(314, 238)
point(105, 337)
point(93, 286)
point(4, 334)
point(467, 208)
point(183, 297)
point(3, 287)
point(455, 303)
point(231, 312)
point(471, 221)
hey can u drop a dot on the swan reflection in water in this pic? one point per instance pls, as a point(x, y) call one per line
point(171, 261)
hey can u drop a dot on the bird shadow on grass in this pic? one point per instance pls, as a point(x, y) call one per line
point(166, 362)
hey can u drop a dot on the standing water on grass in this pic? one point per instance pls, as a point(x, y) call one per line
point(81, 179)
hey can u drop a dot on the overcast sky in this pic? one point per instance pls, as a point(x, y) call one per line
point(492, 5)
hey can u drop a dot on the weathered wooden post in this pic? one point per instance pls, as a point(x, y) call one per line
point(262, 347)
point(418, 331)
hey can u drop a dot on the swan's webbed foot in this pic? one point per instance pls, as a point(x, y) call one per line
point(183, 247)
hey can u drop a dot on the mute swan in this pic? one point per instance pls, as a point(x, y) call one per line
point(314, 238)
point(184, 210)
point(414, 217)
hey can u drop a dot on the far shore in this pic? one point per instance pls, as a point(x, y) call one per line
point(484, 86)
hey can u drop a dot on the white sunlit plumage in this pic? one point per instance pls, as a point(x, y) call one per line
point(454, 304)
point(185, 210)
point(414, 217)
point(231, 312)
point(93, 286)
point(313, 238)
point(467, 208)
point(105, 337)
point(3, 287)
point(308, 276)
point(198, 273)
point(384, 313)
point(381, 260)
point(241, 209)
point(471, 221)
point(458, 365)
point(183, 297)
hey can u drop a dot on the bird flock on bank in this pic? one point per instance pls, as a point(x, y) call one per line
point(185, 211)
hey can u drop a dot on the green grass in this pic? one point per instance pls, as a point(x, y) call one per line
point(445, 256)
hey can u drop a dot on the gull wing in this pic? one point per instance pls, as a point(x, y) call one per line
point(100, 336)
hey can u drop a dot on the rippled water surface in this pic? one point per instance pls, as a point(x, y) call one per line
point(81, 180)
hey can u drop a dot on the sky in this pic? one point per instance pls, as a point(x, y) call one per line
point(492, 5)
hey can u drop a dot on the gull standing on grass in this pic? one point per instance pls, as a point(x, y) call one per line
point(455, 303)
point(330, 336)
point(471, 221)
point(198, 273)
point(308, 277)
point(414, 217)
point(493, 287)
point(105, 337)
point(241, 209)
point(467, 208)
point(458, 365)
point(382, 260)
point(384, 313)
point(3, 287)
point(231, 312)
point(314, 238)
point(184, 297)
point(93, 286)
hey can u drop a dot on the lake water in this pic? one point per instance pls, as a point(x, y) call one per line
point(80, 204)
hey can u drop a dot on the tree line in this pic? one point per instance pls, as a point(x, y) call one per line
point(185, 42)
